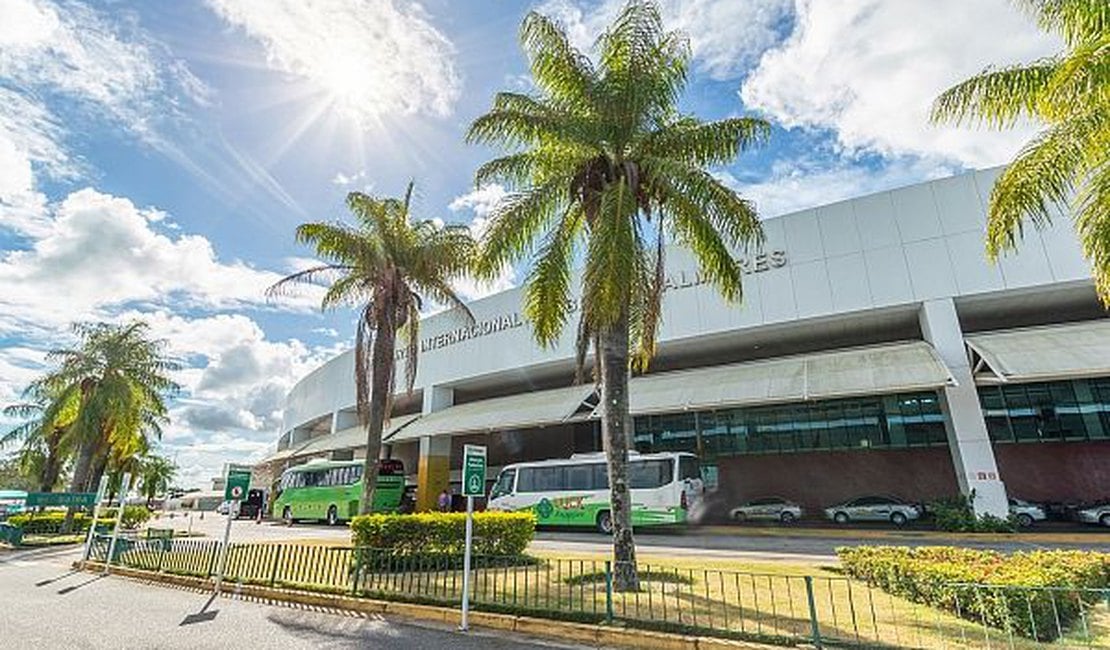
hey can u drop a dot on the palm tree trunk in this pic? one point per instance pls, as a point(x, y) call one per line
point(381, 381)
point(51, 469)
point(616, 429)
point(85, 456)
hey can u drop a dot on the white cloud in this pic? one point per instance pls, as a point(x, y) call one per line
point(367, 57)
point(75, 52)
point(481, 202)
point(97, 253)
point(84, 66)
point(727, 38)
point(870, 69)
point(801, 184)
point(346, 180)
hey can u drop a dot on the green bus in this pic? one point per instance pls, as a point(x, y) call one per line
point(330, 490)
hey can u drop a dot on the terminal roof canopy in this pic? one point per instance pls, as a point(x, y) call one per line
point(871, 370)
point(534, 409)
point(352, 437)
point(1042, 353)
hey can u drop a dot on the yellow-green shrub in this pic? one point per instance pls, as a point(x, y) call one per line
point(50, 522)
point(495, 533)
point(1026, 592)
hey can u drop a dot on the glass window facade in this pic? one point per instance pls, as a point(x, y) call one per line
point(1048, 412)
point(902, 420)
point(1038, 412)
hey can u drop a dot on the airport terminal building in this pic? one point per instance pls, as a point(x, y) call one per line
point(876, 351)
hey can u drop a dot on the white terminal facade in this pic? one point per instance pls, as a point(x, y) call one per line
point(876, 351)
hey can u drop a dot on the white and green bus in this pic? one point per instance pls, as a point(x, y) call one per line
point(575, 491)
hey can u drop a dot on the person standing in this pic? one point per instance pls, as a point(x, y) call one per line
point(444, 501)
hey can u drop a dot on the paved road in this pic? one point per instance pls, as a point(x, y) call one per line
point(736, 543)
point(44, 604)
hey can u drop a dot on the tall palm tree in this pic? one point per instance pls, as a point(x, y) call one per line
point(155, 473)
point(1068, 163)
point(602, 164)
point(114, 382)
point(44, 450)
point(385, 265)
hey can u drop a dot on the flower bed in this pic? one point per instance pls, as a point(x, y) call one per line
point(1037, 594)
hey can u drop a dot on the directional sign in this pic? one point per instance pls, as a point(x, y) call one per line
point(474, 470)
point(35, 499)
point(238, 481)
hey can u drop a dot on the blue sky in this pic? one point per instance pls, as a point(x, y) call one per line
point(156, 157)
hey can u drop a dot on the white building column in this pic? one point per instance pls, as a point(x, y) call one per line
point(433, 469)
point(968, 440)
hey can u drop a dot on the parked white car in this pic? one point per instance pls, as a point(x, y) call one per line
point(874, 508)
point(1099, 514)
point(769, 509)
point(1025, 513)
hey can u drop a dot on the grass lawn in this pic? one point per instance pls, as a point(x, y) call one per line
point(767, 601)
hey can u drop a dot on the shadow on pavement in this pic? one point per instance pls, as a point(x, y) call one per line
point(70, 589)
point(203, 616)
point(43, 583)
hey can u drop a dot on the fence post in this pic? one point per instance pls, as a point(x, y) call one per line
point(357, 572)
point(608, 591)
point(277, 563)
point(815, 628)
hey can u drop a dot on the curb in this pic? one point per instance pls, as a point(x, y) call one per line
point(601, 636)
point(1090, 537)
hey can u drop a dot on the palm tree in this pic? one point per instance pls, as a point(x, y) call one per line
point(385, 266)
point(44, 451)
point(155, 472)
point(114, 383)
point(602, 164)
point(1068, 163)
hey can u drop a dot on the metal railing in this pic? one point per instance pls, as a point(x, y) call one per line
point(780, 608)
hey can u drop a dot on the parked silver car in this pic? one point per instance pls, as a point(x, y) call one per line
point(1099, 514)
point(767, 508)
point(1025, 513)
point(874, 508)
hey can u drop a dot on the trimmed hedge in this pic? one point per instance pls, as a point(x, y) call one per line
point(495, 533)
point(1034, 594)
point(50, 522)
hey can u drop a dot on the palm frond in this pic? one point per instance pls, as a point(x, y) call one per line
point(996, 98)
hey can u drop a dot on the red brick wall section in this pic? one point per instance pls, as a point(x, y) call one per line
point(1055, 471)
point(820, 479)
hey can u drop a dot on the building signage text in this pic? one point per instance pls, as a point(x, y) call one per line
point(677, 280)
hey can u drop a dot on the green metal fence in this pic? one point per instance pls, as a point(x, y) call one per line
point(789, 609)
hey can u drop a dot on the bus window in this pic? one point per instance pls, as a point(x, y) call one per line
point(649, 474)
point(600, 476)
point(504, 484)
point(688, 468)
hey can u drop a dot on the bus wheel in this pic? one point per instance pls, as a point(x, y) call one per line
point(605, 522)
point(287, 516)
point(333, 516)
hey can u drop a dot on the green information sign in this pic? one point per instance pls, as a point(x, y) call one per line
point(238, 482)
point(474, 470)
point(83, 499)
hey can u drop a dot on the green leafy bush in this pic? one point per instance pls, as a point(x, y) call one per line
point(1027, 593)
point(495, 533)
point(134, 516)
point(956, 515)
point(50, 522)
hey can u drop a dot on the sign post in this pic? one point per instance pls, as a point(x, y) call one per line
point(474, 485)
point(237, 480)
point(95, 514)
point(124, 488)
